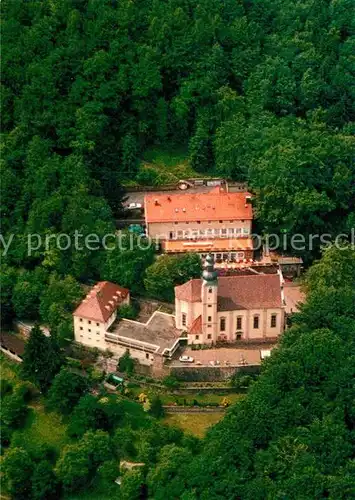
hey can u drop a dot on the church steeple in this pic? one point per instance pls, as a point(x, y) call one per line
point(209, 274)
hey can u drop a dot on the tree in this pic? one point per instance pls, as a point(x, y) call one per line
point(13, 411)
point(78, 463)
point(126, 363)
point(66, 390)
point(27, 293)
point(7, 281)
point(132, 485)
point(156, 407)
point(87, 415)
point(17, 468)
point(42, 359)
point(169, 271)
point(57, 303)
point(44, 482)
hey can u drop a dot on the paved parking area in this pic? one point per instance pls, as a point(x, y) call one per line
point(226, 356)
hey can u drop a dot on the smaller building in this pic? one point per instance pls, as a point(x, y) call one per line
point(97, 312)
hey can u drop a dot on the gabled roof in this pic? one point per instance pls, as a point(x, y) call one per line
point(189, 291)
point(102, 300)
point(196, 326)
point(261, 291)
point(218, 204)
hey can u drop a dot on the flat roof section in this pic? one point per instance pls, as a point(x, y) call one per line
point(159, 331)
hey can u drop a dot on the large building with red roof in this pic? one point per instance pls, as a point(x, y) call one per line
point(230, 308)
point(218, 222)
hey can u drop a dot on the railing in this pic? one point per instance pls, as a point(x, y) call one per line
point(116, 339)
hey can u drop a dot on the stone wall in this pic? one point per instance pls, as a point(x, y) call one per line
point(210, 373)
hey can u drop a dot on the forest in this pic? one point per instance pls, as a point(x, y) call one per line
point(261, 91)
point(254, 91)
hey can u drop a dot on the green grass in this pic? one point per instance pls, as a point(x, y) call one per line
point(196, 424)
point(41, 428)
point(170, 163)
point(9, 370)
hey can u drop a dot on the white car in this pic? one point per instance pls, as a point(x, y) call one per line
point(132, 206)
point(186, 359)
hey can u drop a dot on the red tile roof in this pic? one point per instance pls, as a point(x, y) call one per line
point(102, 300)
point(196, 326)
point(215, 205)
point(189, 291)
point(238, 292)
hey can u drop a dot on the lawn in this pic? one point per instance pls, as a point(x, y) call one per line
point(193, 423)
point(41, 428)
point(9, 369)
point(170, 163)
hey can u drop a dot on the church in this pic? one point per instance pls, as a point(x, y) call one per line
point(230, 308)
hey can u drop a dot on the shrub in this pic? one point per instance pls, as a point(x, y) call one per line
point(128, 311)
point(171, 382)
point(147, 177)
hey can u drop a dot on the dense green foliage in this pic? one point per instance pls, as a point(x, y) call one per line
point(293, 435)
point(169, 271)
point(260, 91)
point(42, 359)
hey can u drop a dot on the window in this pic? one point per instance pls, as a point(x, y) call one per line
point(183, 319)
point(256, 322)
point(80, 335)
point(239, 336)
point(89, 338)
point(273, 321)
point(97, 333)
point(197, 337)
point(209, 319)
point(81, 328)
point(209, 305)
point(231, 230)
point(239, 323)
point(175, 222)
point(171, 235)
point(209, 222)
point(147, 355)
point(89, 322)
point(209, 336)
point(202, 232)
point(97, 324)
point(210, 290)
point(89, 329)
point(221, 221)
point(80, 319)
point(224, 232)
point(198, 222)
point(180, 233)
point(222, 324)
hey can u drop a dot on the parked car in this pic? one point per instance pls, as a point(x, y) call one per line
point(186, 359)
point(132, 206)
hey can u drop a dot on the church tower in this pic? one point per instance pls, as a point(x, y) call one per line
point(209, 293)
